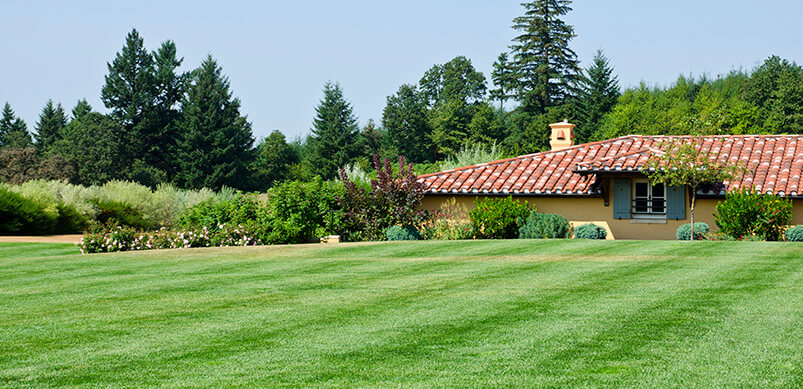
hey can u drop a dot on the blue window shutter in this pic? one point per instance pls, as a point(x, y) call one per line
point(675, 202)
point(621, 198)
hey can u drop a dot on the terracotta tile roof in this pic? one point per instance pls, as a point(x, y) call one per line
point(774, 165)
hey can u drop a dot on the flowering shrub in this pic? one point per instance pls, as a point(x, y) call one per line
point(126, 238)
point(749, 213)
point(450, 222)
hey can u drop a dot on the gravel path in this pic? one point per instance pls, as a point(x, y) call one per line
point(73, 238)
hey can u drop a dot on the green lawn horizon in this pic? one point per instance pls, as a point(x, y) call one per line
point(450, 313)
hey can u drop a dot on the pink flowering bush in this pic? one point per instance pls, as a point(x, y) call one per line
point(126, 239)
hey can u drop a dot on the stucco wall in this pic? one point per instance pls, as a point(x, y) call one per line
point(578, 209)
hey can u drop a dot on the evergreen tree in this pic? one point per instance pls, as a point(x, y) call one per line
point(81, 108)
point(50, 127)
point(13, 130)
point(546, 68)
point(598, 95)
point(142, 91)
point(405, 120)
point(371, 138)
point(94, 144)
point(130, 86)
point(335, 134)
point(216, 142)
point(503, 77)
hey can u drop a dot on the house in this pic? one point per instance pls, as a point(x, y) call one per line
point(601, 182)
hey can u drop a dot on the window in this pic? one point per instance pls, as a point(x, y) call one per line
point(648, 199)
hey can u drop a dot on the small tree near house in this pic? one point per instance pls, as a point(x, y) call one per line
point(686, 164)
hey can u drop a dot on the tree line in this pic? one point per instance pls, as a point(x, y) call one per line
point(187, 129)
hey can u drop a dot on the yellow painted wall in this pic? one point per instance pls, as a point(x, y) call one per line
point(578, 209)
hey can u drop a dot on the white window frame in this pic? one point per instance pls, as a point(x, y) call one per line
point(649, 214)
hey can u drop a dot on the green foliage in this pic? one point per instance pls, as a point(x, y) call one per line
point(124, 238)
point(495, 218)
point(116, 213)
point(299, 212)
point(394, 198)
point(590, 231)
point(238, 209)
point(546, 67)
point(544, 226)
point(406, 123)
point(50, 127)
point(393, 233)
point(19, 215)
point(96, 145)
point(684, 231)
point(450, 222)
point(274, 159)
point(746, 213)
point(335, 134)
point(454, 80)
point(794, 234)
point(13, 130)
point(598, 94)
point(471, 155)
point(216, 141)
point(18, 165)
point(504, 78)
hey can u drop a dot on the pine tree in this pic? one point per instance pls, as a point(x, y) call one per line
point(503, 77)
point(405, 119)
point(13, 130)
point(546, 68)
point(371, 138)
point(335, 134)
point(170, 88)
point(81, 108)
point(50, 127)
point(598, 95)
point(216, 142)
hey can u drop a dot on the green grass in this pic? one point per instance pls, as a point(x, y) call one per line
point(473, 313)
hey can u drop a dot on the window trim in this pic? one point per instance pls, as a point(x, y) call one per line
point(649, 214)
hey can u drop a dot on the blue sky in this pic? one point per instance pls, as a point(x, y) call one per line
point(278, 54)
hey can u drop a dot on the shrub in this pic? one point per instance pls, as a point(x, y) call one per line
point(590, 231)
point(219, 210)
point(121, 238)
point(393, 199)
point(299, 212)
point(794, 234)
point(544, 226)
point(749, 213)
point(402, 233)
point(19, 215)
point(70, 220)
point(117, 213)
point(495, 218)
point(684, 231)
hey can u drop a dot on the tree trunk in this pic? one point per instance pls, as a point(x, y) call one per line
point(691, 206)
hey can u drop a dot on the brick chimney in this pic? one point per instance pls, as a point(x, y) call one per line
point(562, 135)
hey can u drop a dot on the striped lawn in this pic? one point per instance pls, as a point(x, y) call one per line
point(472, 313)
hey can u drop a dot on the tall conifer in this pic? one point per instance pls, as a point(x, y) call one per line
point(215, 148)
point(546, 67)
point(13, 130)
point(50, 127)
point(335, 134)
